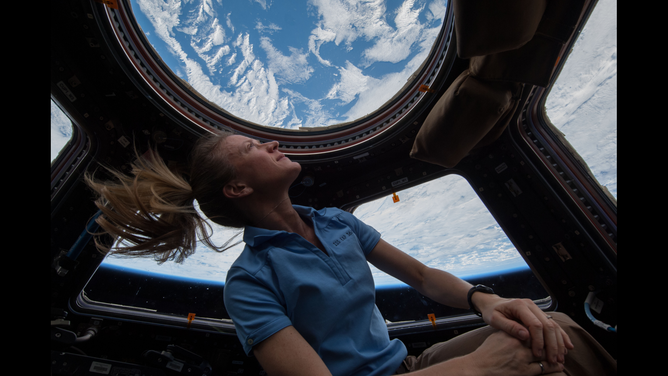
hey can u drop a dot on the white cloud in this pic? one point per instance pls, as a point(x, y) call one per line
point(289, 69)
point(346, 21)
point(228, 22)
point(272, 28)
point(243, 42)
point(394, 45)
point(315, 116)
point(352, 82)
point(352, 19)
point(232, 59)
point(437, 10)
point(316, 39)
point(263, 3)
point(381, 90)
point(217, 36)
point(256, 97)
point(164, 16)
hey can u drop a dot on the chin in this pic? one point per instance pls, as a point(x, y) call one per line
point(294, 172)
point(298, 168)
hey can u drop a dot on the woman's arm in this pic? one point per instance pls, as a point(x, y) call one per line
point(436, 284)
point(520, 318)
point(287, 353)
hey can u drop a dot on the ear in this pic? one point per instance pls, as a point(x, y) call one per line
point(236, 189)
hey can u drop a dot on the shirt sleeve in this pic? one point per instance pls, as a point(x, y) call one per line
point(254, 307)
point(367, 235)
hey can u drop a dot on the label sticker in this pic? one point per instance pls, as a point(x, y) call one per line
point(101, 368)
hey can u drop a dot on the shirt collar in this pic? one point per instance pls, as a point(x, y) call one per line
point(254, 236)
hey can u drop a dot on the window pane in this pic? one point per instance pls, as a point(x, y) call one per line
point(61, 130)
point(292, 64)
point(204, 264)
point(583, 102)
point(443, 224)
point(194, 286)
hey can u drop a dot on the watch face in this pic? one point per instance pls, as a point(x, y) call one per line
point(483, 288)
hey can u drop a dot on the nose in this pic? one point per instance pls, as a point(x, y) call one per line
point(272, 145)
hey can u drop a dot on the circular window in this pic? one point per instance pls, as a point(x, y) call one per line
point(317, 76)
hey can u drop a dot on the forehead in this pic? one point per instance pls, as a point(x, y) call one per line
point(236, 140)
point(233, 145)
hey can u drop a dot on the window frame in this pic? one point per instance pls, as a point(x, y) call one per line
point(71, 158)
point(176, 96)
point(535, 135)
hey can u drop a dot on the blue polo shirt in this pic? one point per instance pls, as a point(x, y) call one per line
point(280, 279)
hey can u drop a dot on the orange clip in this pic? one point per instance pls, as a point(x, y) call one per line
point(191, 317)
point(425, 88)
point(395, 198)
point(432, 318)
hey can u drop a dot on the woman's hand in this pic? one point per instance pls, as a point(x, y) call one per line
point(522, 319)
point(504, 355)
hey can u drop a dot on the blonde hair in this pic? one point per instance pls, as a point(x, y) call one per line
point(152, 210)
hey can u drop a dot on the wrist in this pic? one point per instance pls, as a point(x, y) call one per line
point(477, 296)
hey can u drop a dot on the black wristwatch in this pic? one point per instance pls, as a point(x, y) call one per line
point(480, 288)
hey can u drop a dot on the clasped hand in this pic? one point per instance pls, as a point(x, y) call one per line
point(522, 319)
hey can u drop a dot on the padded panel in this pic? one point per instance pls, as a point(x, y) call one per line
point(532, 63)
point(463, 117)
point(484, 27)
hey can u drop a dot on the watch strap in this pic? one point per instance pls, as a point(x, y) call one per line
point(477, 288)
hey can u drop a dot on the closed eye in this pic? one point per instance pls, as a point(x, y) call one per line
point(252, 143)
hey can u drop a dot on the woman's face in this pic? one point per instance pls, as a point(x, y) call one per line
point(261, 166)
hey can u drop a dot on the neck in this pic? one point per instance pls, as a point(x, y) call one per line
point(272, 210)
point(278, 215)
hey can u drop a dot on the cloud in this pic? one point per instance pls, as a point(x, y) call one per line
point(394, 45)
point(351, 19)
point(346, 21)
point(164, 16)
point(382, 89)
point(437, 9)
point(352, 82)
point(228, 22)
point(272, 28)
point(243, 43)
point(316, 114)
point(256, 95)
point(316, 39)
point(263, 3)
point(232, 59)
point(289, 69)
